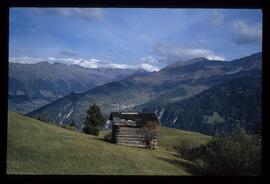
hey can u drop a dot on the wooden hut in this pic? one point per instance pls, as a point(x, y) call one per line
point(134, 129)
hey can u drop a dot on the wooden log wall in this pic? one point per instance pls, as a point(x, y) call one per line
point(133, 136)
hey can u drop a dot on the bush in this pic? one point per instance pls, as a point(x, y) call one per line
point(236, 154)
point(184, 149)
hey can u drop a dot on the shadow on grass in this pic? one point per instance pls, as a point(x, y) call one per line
point(182, 164)
point(102, 139)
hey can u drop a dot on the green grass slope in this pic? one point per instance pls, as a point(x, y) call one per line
point(35, 147)
point(171, 139)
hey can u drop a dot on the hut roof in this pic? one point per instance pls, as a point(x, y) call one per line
point(141, 119)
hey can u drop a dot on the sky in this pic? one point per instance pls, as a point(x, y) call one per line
point(147, 38)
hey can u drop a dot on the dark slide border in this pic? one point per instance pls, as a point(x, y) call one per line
point(4, 20)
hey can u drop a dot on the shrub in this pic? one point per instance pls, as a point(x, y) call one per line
point(150, 138)
point(186, 146)
point(235, 154)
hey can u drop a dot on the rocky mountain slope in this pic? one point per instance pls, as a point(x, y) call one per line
point(34, 85)
point(216, 110)
point(174, 83)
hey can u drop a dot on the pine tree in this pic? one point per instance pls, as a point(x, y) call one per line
point(94, 120)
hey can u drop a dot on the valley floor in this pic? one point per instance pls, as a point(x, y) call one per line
point(36, 147)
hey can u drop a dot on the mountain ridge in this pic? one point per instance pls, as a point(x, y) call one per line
point(34, 85)
point(230, 101)
point(140, 89)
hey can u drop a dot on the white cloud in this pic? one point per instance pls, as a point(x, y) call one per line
point(60, 11)
point(67, 53)
point(202, 41)
point(91, 63)
point(213, 57)
point(84, 62)
point(51, 58)
point(33, 30)
point(26, 60)
point(89, 13)
point(246, 34)
point(121, 66)
point(149, 67)
point(216, 18)
point(150, 59)
point(172, 52)
point(83, 13)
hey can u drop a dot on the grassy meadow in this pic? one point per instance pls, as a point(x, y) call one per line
point(35, 147)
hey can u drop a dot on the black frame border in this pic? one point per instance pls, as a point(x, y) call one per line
point(4, 41)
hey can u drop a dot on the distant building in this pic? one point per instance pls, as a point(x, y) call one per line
point(134, 129)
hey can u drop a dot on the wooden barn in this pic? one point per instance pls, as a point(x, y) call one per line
point(134, 129)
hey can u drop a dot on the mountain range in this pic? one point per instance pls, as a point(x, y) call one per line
point(216, 110)
point(34, 85)
point(180, 94)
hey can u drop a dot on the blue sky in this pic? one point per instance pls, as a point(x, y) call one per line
point(132, 37)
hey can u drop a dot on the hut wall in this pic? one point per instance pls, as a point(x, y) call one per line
point(133, 136)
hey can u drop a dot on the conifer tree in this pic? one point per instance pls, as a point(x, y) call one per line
point(94, 120)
